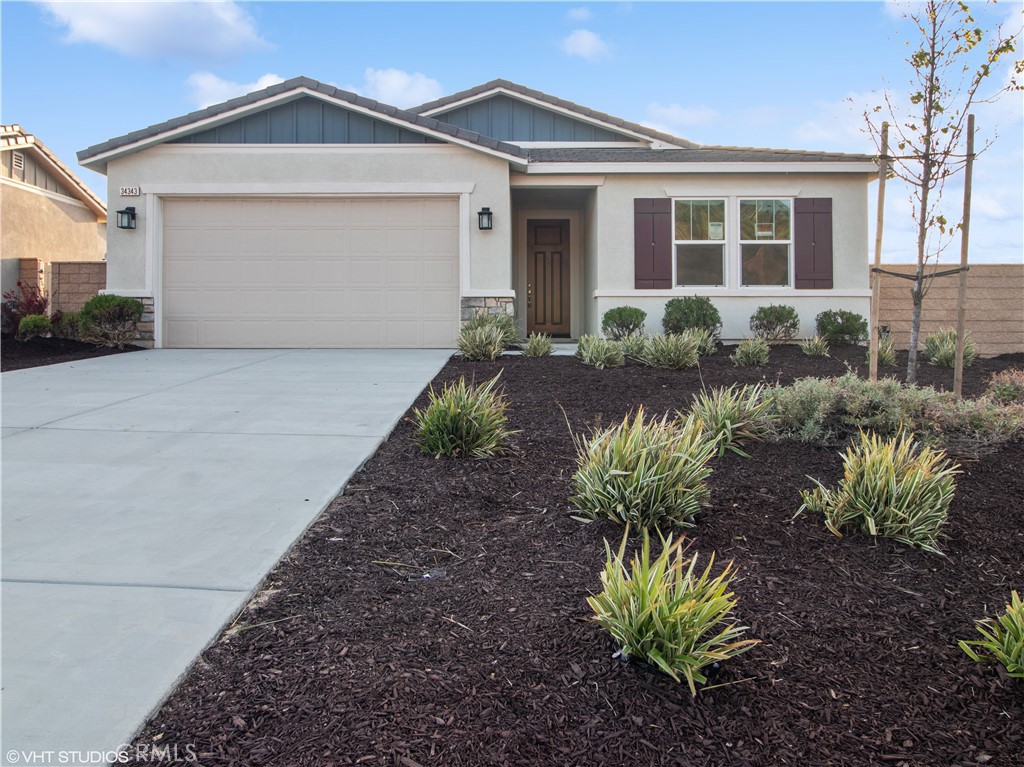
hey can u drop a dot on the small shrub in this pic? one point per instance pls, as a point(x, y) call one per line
point(538, 345)
point(463, 421)
point(691, 312)
point(622, 322)
point(506, 323)
point(706, 344)
point(842, 328)
point(600, 352)
point(970, 428)
point(662, 612)
point(674, 352)
point(34, 325)
point(775, 323)
point(1002, 639)
point(734, 416)
point(110, 320)
point(634, 346)
point(752, 351)
point(65, 325)
point(940, 349)
point(23, 301)
point(889, 488)
point(886, 352)
point(1007, 387)
point(481, 343)
point(814, 347)
point(644, 473)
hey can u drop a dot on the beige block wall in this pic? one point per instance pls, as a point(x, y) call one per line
point(71, 284)
point(995, 306)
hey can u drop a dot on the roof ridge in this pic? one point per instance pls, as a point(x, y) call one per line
point(25, 140)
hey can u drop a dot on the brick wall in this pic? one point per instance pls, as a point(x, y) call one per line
point(995, 306)
point(72, 283)
point(28, 271)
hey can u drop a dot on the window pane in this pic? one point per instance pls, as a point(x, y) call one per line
point(700, 219)
point(764, 219)
point(699, 265)
point(765, 264)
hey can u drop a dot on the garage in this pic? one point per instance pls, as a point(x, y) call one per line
point(316, 272)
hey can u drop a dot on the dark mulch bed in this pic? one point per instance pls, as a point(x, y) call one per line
point(351, 656)
point(17, 355)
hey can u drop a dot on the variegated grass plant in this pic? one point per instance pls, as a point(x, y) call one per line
point(644, 472)
point(538, 345)
point(940, 348)
point(666, 612)
point(735, 416)
point(599, 352)
point(506, 323)
point(707, 345)
point(890, 488)
point(463, 421)
point(481, 343)
point(816, 346)
point(674, 351)
point(886, 352)
point(751, 351)
point(1002, 639)
point(634, 347)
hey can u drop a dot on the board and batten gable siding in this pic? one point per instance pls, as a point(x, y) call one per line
point(508, 119)
point(306, 121)
point(28, 171)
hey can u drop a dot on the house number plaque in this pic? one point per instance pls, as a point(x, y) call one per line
point(130, 191)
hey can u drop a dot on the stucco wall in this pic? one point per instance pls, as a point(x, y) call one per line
point(299, 170)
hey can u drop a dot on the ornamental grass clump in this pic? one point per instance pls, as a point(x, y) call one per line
point(674, 352)
point(707, 346)
point(644, 473)
point(886, 352)
point(1002, 639)
point(505, 323)
point(463, 421)
point(816, 346)
point(538, 345)
point(752, 351)
point(1006, 387)
point(667, 613)
point(634, 346)
point(940, 349)
point(600, 352)
point(481, 343)
point(735, 415)
point(890, 488)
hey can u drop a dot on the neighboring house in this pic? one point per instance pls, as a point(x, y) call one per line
point(303, 215)
point(47, 214)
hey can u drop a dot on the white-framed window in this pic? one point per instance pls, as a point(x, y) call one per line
point(700, 242)
point(766, 242)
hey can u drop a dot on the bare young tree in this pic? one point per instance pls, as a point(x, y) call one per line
point(951, 60)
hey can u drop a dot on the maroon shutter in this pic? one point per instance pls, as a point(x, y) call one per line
point(652, 243)
point(812, 246)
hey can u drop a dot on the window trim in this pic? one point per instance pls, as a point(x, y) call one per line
point(741, 242)
point(724, 242)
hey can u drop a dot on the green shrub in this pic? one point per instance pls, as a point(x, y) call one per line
point(538, 345)
point(940, 349)
point(691, 312)
point(674, 352)
point(775, 323)
point(110, 320)
point(600, 352)
point(506, 323)
point(644, 473)
point(623, 321)
point(814, 347)
point(735, 416)
point(706, 344)
point(751, 351)
point(463, 421)
point(970, 428)
point(886, 352)
point(33, 325)
point(842, 328)
point(633, 346)
point(890, 488)
point(662, 612)
point(1002, 639)
point(484, 342)
point(1007, 387)
point(65, 325)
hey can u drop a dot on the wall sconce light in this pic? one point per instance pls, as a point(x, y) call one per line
point(486, 219)
point(126, 218)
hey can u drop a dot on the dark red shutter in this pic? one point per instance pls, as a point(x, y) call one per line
point(812, 246)
point(652, 243)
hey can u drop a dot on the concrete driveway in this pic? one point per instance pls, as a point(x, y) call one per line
point(145, 496)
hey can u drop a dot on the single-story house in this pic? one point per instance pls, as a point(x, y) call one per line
point(302, 215)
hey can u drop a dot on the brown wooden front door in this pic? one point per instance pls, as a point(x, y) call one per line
point(547, 276)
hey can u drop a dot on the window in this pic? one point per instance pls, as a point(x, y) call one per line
point(765, 242)
point(699, 242)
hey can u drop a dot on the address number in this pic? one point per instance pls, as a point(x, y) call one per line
point(130, 191)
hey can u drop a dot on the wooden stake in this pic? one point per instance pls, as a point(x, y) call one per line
point(876, 276)
point(961, 297)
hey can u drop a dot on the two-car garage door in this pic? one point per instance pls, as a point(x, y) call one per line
point(310, 272)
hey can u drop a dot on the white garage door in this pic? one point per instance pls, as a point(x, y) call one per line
point(310, 273)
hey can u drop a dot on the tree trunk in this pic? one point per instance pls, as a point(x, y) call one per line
point(917, 293)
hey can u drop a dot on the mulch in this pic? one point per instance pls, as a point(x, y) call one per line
point(435, 613)
point(18, 355)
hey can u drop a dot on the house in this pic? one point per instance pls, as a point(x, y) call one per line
point(52, 223)
point(302, 215)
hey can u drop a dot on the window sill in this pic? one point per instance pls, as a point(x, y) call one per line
point(735, 293)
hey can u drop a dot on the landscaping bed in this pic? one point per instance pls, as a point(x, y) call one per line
point(17, 355)
point(352, 655)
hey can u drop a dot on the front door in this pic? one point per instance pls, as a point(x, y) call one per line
point(547, 275)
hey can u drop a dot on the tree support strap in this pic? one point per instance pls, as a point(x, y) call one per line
point(902, 276)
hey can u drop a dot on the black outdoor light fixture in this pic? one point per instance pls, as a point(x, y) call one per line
point(126, 218)
point(486, 219)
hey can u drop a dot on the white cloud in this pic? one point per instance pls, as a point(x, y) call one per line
point(190, 30)
point(838, 126)
point(578, 14)
point(677, 119)
point(398, 88)
point(209, 89)
point(586, 44)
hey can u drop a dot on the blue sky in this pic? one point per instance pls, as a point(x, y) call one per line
point(747, 74)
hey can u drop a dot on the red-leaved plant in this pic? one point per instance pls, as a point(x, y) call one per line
point(24, 300)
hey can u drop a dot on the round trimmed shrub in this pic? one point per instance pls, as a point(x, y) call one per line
point(842, 328)
point(691, 312)
point(33, 325)
point(775, 323)
point(110, 320)
point(622, 322)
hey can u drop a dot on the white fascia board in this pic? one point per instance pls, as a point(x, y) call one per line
point(328, 188)
point(43, 192)
point(234, 114)
point(519, 180)
point(641, 168)
point(734, 293)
